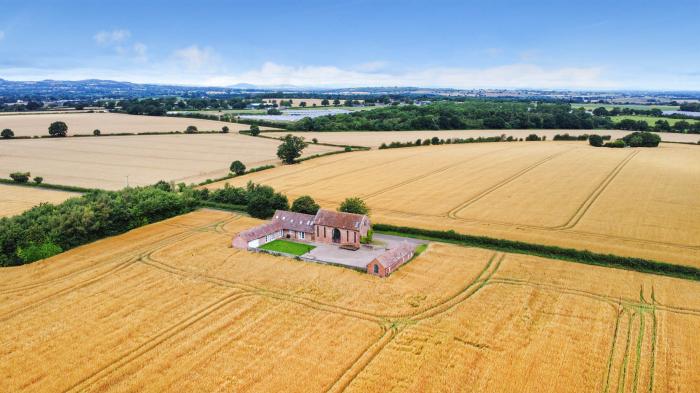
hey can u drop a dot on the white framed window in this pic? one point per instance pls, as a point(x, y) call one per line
point(301, 235)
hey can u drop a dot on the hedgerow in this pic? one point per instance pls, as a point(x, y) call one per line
point(554, 252)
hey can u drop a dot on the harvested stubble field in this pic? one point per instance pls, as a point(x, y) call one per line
point(376, 138)
point(104, 162)
point(108, 123)
point(636, 202)
point(171, 306)
point(16, 199)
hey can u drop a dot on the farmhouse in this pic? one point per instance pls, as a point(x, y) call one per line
point(327, 226)
point(336, 237)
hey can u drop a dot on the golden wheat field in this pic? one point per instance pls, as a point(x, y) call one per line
point(16, 199)
point(105, 162)
point(172, 307)
point(376, 138)
point(108, 123)
point(638, 202)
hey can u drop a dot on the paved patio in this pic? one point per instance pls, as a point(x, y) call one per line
point(356, 259)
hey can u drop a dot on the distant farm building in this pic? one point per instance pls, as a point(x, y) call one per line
point(327, 227)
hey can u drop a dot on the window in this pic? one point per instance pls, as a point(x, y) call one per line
point(324, 232)
point(301, 235)
point(376, 269)
point(355, 236)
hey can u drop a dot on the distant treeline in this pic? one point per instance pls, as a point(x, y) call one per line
point(475, 114)
point(691, 107)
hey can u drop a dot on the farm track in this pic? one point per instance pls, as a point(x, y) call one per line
point(454, 211)
point(127, 255)
point(362, 361)
point(155, 341)
point(613, 301)
point(590, 200)
point(321, 179)
point(611, 357)
point(82, 284)
point(430, 173)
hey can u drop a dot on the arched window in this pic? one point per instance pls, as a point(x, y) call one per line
point(376, 269)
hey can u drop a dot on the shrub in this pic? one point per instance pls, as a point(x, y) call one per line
point(254, 130)
point(58, 129)
point(426, 142)
point(7, 133)
point(237, 167)
point(163, 185)
point(314, 140)
point(96, 133)
point(228, 195)
point(305, 204)
point(38, 180)
point(435, 140)
point(595, 140)
point(533, 137)
point(20, 177)
point(354, 205)
point(35, 252)
point(348, 148)
point(367, 239)
point(642, 139)
point(618, 143)
point(224, 130)
point(190, 130)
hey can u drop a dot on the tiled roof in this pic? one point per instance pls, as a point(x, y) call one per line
point(299, 222)
point(260, 231)
point(341, 220)
point(397, 255)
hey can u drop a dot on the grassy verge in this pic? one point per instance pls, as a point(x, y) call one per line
point(287, 247)
point(48, 186)
point(552, 252)
point(224, 206)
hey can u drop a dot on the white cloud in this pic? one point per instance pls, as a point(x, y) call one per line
point(507, 76)
point(194, 57)
point(111, 37)
point(372, 66)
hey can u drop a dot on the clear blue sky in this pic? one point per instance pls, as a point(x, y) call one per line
point(509, 44)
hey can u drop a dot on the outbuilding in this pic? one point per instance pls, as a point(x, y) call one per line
point(389, 261)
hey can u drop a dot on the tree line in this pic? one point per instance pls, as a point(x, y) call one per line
point(474, 114)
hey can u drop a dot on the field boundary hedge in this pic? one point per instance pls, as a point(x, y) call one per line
point(553, 252)
point(49, 186)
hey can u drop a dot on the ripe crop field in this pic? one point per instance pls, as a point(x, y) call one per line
point(376, 138)
point(171, 306)
point(636, 202)
point(16, 199)
point(105, 162)
point(108, 123)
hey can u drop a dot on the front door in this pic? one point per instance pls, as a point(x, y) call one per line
point(336, 235)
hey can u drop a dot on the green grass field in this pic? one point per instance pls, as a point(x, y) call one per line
point(287, 247)
point(631, 106)
point(651, 120)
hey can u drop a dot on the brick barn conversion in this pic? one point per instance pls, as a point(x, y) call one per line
point(327, 227)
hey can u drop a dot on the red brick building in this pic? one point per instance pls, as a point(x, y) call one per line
point(388, 262)
point(327, 226)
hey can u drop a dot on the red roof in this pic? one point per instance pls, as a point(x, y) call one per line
point(260, 231)
point(397, 255)
point(299, 222)
point(341, 220)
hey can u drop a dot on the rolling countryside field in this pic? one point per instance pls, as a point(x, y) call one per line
point(16, 199)
point(634, 202)
point(376, 138)
point(105, 162)
point(107, 123)
point(171, 306)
